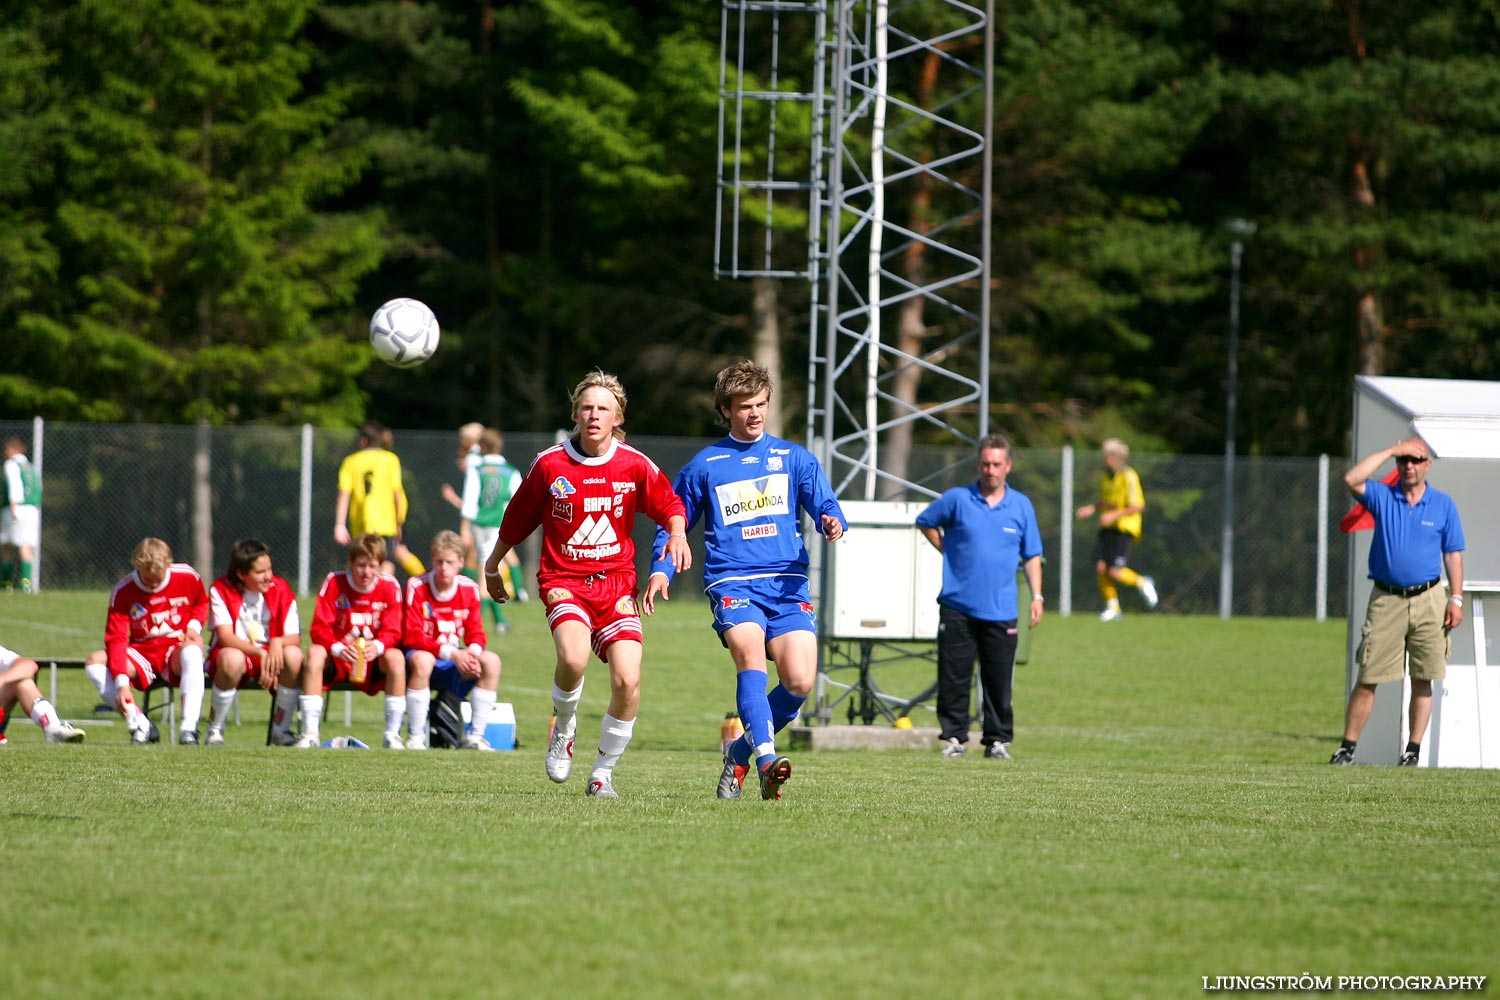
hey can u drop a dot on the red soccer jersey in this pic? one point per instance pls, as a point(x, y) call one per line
point(434, 621)
point(137, 615)
point(586, 507)
point(341, 609)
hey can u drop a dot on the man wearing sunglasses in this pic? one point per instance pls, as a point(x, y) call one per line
point(1417, 538)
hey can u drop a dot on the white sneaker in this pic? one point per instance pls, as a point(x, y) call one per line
point(417, 742)
point(307, 741)
point(392, 741)
point(215, 737)
point(1148, 591)
point(601, 788)
point(560, 757)
point(474, 741)
point(1111, 615)
point(140, 732)
point(64, 732)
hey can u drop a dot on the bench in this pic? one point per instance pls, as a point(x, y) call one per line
point(168, 705)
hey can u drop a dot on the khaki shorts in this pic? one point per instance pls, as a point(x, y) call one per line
point(1397, 627)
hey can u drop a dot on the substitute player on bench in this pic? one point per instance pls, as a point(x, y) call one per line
point(153, 628)
point(356, 633)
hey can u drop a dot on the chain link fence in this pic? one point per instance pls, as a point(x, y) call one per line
point(105, 486)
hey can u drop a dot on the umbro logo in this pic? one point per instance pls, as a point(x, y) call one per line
point(594, 531)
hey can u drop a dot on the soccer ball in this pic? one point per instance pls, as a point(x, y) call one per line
point(404, 333)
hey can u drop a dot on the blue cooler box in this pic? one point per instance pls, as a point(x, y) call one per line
point(501, 731)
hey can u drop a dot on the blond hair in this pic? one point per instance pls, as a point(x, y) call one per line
point(152, 554)
point(468, 434)
point(743, 378)
point(491, 442)
point(369, 546)
point(448, 541)
point(1114, 446)
point(598, 379)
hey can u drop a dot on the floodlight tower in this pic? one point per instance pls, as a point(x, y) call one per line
point(860, 130)
point(868, 124)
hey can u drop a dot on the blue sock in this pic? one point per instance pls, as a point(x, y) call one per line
point(785, 707)
point(755, 711)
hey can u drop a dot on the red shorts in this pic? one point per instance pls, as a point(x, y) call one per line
point(252, 663)
point(336, 671)
point(605, 603)
point(152, 659)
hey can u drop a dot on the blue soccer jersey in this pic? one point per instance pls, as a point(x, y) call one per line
point(748, 495)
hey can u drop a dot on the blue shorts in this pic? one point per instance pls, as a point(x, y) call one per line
point(778, 604)
point(445, 677)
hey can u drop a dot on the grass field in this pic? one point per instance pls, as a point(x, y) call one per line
point(1168, 816)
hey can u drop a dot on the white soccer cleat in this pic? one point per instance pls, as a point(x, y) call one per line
point(560, 757)
point(1148, 591)
point(1111, 615)
point(64, 732)
point(475, 741)
point(307, 741)
point(601, 788)
point(215, 737)
point(416, 742)
point(140, 732)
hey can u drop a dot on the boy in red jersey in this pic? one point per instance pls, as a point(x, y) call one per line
point(357, 621)
point(584, 494)
point(153, 628)
point(256, 634)
point(18, 684)
point(445, 643)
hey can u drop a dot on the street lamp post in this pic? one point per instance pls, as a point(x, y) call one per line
point(1239, 231)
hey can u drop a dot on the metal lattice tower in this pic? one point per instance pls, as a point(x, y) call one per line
point(855, 154)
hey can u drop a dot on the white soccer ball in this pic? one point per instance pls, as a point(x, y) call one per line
point(404, 333)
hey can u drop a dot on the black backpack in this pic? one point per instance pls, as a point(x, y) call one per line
point(445, 721)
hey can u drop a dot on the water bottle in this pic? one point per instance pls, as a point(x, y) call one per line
point(357, 675)
point(730, 730)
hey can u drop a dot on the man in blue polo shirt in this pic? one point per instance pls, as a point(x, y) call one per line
point(985, 531)
point(1417, 537)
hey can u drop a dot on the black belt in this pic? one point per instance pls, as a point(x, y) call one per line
point(1405, 591)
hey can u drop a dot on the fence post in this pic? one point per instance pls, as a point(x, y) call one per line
point(203, 502)
point(38, 426)
point(304, 514)
point(1065, 521)
point(1226, 538)
point(1321, 607)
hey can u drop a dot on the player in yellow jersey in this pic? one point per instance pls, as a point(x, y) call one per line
point(372, 499)
point(1121, 501)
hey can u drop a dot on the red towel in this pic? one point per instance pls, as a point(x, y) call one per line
point(1360, 519)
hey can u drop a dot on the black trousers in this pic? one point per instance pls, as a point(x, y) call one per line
point(960, 639)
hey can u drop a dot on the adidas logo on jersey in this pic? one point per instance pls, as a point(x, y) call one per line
point(594, 539)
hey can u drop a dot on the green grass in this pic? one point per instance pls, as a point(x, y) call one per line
point(1169, 816)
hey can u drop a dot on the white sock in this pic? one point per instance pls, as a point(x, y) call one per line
point(312, 713)
point(565, 704)
point(482, 702)
point(98, 674)
point(614, 737)
point(395, 708)
point(286, 708)
point(44, 715)
point(416, 711)
point(191, 687)
point(219, 704)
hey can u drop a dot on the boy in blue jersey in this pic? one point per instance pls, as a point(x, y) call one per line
point(749, 490)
